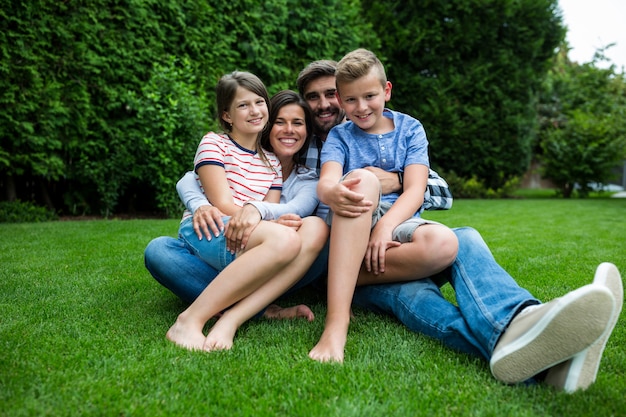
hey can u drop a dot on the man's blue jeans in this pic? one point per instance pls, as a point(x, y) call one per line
point(487, 299)
point(487, 296)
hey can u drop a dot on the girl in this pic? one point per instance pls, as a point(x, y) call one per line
point(280, 255)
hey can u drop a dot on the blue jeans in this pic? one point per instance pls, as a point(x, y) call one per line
point(213, 251)
point(487, 299)
point(487, 296)
point(175, 265)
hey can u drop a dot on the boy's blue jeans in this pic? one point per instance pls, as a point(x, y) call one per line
point(487, 296)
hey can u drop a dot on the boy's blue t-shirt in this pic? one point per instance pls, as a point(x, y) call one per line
point(353, 148)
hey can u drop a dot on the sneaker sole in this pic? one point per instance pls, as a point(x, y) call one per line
point(562, 332)
point(580, 372)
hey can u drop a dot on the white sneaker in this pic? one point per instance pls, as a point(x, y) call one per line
point(551, 333)
point(580, 371)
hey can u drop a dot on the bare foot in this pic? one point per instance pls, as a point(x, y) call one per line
point(330, 347)
point(220, 337)
point(277, 312)
point(185, 336)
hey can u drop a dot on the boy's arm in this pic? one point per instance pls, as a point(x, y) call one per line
point(411, 199)
point(337, 195)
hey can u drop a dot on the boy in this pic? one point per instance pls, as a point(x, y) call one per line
point(385, 228)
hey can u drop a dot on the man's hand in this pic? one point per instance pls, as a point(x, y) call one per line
point(240, 226)
point(389, 181)
point(205, 218)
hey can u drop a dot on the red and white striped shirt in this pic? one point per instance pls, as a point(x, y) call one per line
point(247, 174)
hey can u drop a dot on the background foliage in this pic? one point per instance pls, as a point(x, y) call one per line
point(582, 116)
point(104, 102)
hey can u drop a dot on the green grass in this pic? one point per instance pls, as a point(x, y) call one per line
point(82, 328)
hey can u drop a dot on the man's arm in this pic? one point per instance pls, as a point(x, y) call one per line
point(389, 181)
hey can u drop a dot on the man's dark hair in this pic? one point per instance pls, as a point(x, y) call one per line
point(316, 69)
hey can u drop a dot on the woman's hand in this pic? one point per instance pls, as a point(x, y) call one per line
point(290, 220)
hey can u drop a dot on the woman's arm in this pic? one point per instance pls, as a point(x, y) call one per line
point(190, 192)
point(299, 196)
point(205, 216)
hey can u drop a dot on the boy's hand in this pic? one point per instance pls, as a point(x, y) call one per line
point(290, 220)
point(240, 226)
point(205, 218)
point(345, 202)
point(380, 241)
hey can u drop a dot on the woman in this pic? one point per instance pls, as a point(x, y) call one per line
point(247, 290)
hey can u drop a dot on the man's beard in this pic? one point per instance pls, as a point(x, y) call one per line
point(325, 128)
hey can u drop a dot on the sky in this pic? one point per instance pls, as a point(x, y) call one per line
point(593, 24)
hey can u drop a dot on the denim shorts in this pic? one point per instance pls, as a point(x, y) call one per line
point(213, 251)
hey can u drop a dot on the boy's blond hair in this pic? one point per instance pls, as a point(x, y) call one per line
point(357, 64)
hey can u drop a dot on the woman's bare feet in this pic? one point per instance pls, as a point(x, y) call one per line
point(185, 336)
point(276, 312)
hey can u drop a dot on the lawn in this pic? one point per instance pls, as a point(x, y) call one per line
point(82, 328)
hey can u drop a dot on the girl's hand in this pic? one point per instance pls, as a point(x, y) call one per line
point(205, 218)
point(240, 226)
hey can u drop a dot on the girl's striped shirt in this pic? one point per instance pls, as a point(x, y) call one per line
point(247, 174)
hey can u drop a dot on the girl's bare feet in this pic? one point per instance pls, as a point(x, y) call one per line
point(276, 312)
point(221, 336)
point(185, 336)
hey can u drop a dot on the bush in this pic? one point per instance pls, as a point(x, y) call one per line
point(475, 188)
point(24, 212)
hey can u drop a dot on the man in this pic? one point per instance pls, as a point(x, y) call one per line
point(561, 341)
point(495, 318)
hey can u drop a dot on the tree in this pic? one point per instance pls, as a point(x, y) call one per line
point(583, 124)
point(471, 72)
point(89, 89)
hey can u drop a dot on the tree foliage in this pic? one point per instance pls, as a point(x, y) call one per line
point(583, 124)
point(470, 70)
point(104, 102)
point(90, 112)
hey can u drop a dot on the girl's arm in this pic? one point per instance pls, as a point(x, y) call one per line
point(216, 189)
point(273, 196)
